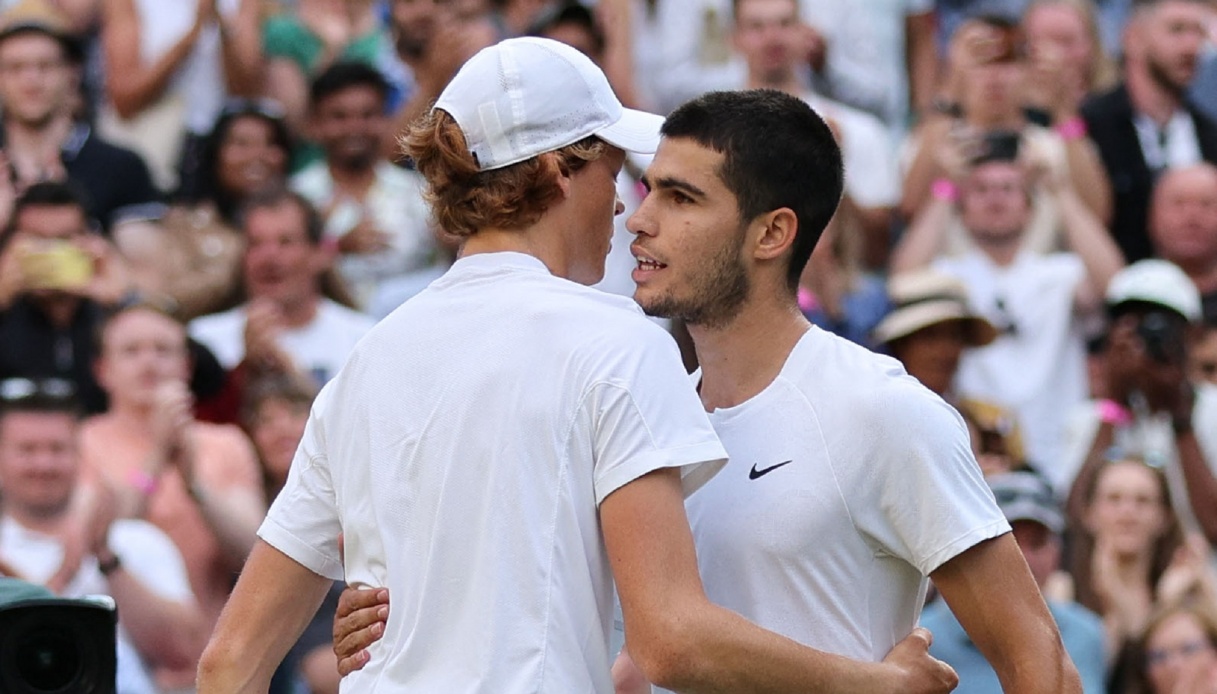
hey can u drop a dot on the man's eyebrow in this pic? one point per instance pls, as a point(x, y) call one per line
point(672, 183)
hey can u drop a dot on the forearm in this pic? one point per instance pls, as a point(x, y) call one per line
point(922, 61)
point(166, 632)
point(924, 168)
point(133, 89)
point(1089, 239)
point(241, 46)
point(1089, 178)
point(271, 605)
point(925, 238)
point(719, 651)
point(234, 517)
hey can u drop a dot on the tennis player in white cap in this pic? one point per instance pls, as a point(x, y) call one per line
point(504, 445)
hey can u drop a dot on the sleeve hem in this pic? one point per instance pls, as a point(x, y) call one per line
point(962, 544)
point(303, 553)
point(698, 464)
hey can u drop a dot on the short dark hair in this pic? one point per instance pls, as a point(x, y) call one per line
point(46, 194)
point(277, 196)
point(205, 184)
point(344, 75)
point(777, 152)
point(569, 12)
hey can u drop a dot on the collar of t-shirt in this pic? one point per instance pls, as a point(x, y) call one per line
point(499, 260)
point(1173, 145)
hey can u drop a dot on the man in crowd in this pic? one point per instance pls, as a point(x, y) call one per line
point(374, 211)
point(287, 324)
point(529, 491)
point(160, 625)
point(1146, 124)
point(1183, 227)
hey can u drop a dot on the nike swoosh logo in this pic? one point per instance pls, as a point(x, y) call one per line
point(757, 474)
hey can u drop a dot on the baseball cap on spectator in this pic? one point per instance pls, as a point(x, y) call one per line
point(926, 297)
point(40, 17)
point(527, 96)
point(1158, 282)
point(1023, 495)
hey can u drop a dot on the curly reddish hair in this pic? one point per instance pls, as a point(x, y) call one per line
point(465, 199)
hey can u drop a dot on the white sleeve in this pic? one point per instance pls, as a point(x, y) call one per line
point(303, 521)
point(922, 497)
point(643, 415)
point(150, 556)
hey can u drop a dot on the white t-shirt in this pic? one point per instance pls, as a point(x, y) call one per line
point(464, 452)
point(319, 348)
point(146, 553)
point(1037, 366)
point(848, 483)
point(395, 203)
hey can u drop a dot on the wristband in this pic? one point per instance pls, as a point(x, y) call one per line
point(1072, 129)
point(944, 189)
point(1112, 412)
point(144, 483)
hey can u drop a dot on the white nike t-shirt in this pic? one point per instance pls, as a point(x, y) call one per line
point(848, 483)
point(464, 451)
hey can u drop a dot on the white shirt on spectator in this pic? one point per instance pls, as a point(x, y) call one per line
point(870, 168)
point(319, 348)
point(464, 452)
point(396, 206)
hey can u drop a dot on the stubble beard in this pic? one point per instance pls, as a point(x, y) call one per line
point(715, 294)
point(1161, 76)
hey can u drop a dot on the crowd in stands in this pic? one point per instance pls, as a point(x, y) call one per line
point(203, 207)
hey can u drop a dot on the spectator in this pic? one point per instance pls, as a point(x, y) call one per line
point(1067, 59)
point(1203, 368)
point(1038, 303)
point(1183, 227)
point(192, 255)
point(286, 324)
point(169, 68)
point(835, 292)
point(1151, 410)
point(196, 482)
point(40, 136)
point(1028, 503)
point(878, 56)
point(57, 280)
point(766, 35)
point(1146, 124)
point(373, 210)
point(1179, 647)
point(984, 97)
point(301, 44)
point(160, 625)
point(683, 48)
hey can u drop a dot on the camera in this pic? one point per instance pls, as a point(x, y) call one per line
point(1162, 335)
point(55, 264)
point(58, 646)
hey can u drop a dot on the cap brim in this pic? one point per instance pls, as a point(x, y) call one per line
point(635, 131)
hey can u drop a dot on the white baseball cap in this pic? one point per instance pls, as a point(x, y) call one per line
point(527, 96)
point(1159, 282)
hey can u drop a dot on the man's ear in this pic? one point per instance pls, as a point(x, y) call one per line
point(774, 233)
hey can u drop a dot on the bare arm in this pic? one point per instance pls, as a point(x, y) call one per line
point(167, 632)
point(925, 238)
point(131, 84)
point(241, 47)
point(1089, 177)
point(992, 593)
point(681, 641)
point(1086, 236)
point(271, 605)
point(922, 60)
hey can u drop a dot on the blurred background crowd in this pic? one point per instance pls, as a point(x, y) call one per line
point(203, 210)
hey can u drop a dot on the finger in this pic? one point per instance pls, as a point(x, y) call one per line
point(351, 642)
point(350, 664)
point(353, 599)
point(922, 634)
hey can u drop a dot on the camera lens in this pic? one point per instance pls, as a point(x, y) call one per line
point(48, 660)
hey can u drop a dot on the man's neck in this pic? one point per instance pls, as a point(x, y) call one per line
point(1002, 252)
point(354, 182)
point(740, 359)
point(36, 143)
point(59, 309)
point(1150, 97)
point(45, 522)
point(298, 314)
point(1203, 274)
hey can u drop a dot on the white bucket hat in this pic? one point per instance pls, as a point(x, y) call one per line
point(527, 96)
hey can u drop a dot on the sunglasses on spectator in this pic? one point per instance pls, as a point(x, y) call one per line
point(18, 389)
